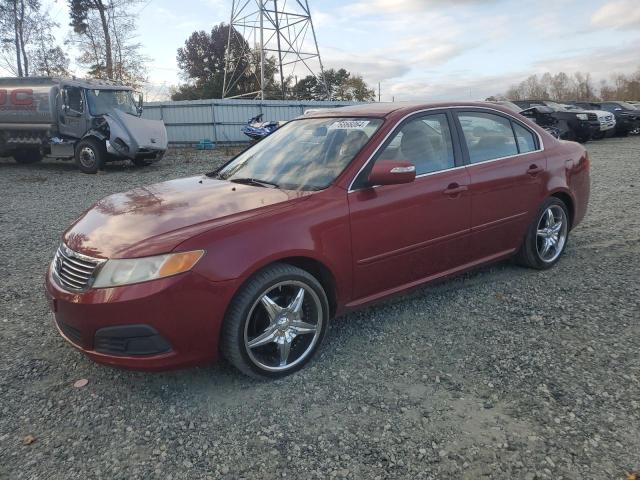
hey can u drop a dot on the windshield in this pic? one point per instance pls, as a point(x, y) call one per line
point(103, 101)
point(555, 106)
point(305, 154)
point(627, 106)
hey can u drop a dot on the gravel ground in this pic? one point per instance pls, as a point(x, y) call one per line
point(501, 373)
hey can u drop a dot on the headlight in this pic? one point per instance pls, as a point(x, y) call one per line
point(135, 270)
point(582, 116)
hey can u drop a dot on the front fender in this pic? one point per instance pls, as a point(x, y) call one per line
point(316, 229)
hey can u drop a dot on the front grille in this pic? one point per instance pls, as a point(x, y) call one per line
point(111, 345)
point(72, 270)
point(592, 116)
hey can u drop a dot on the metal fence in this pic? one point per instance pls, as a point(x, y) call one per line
point(189, 122)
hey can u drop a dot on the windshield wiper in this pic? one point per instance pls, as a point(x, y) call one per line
point(256, 182)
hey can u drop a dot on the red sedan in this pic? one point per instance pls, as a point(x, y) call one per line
point(333, 211)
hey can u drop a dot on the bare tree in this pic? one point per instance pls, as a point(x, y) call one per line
point(47, 58)
point(104, 32)
point(21, 18)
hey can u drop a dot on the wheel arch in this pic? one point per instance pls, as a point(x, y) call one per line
point(568, 200)
point(315, 267)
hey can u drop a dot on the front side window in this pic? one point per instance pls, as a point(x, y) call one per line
point(102, 102)
point(74, 99)
point(487, 136)
point(306, 154)
point(425, 142)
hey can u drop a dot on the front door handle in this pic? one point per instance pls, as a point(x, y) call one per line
point(534, 170)
point(455, 189)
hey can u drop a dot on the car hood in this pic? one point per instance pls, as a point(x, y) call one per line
point(155, 219)
point(136, 132)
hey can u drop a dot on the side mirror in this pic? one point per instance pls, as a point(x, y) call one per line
point(392, 172)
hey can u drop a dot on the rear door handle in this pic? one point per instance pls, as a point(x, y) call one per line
point(454, 189)
point(534, 170)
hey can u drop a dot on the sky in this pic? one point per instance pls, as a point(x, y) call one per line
point(422, 49)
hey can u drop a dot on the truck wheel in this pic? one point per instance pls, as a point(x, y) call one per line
point(30, 155)
point(90, 155)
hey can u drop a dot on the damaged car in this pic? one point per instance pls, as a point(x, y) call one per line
point(576, 125)
point(90, 121)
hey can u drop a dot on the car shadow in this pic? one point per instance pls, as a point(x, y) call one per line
point(221, 384)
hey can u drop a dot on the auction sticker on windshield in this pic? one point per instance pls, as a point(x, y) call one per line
point(349, 125)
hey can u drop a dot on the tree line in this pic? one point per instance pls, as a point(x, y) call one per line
point(579, 86)
point(202, 64)
point(103, 31)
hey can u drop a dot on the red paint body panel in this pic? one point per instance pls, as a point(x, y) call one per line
point(373, 241)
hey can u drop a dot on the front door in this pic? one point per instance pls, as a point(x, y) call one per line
point(508, 170)
point(402, 234)
point(73, 120)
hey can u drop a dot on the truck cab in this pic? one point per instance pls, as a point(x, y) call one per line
point(91, 121)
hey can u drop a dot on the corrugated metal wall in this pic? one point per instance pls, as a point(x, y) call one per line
point(189, 122)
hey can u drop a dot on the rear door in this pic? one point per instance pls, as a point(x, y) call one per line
point(405, 233)
point(507, 170)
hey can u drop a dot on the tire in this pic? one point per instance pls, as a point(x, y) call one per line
point(26, 156)
point(267, 311)
point(532, 252)
point(90, 155)
point(598, 136)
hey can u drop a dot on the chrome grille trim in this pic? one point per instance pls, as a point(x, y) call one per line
point(74, 271)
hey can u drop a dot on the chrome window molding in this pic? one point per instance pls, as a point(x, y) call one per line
point(399, 123)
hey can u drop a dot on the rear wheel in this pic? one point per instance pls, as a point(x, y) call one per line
point(546, 237)
point(28, 155)
point(90, 155)
point(276, 323)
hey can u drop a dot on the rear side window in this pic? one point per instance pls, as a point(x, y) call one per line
point(487, 136)
point(525, 139)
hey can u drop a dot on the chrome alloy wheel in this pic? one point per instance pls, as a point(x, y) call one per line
point(552, 233)
point(283, 326)
point(88, 157)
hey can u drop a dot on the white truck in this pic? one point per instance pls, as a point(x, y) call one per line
point(90, 121)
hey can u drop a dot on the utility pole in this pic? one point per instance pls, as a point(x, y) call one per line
point(261, 49)
point(379, 93)
point(279, 29)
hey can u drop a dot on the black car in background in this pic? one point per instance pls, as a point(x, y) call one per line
point(573, 124)
point(627, 115)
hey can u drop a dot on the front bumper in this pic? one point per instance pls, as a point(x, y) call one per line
point(605, 125)
point(158, 325)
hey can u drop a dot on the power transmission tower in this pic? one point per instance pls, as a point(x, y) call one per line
point(282, 29)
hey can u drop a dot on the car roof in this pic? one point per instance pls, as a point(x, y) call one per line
point(386, 109)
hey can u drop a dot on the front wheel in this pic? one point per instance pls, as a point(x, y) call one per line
point(276, 323)
point(90, 155)
point(546, 237)
point(29, 155)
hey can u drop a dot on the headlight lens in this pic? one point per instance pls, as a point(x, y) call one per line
point(582, 116)
point(118, 272)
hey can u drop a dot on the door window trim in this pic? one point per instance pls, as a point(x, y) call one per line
point(458, 158)
point(506, 116)
point(456, 138)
